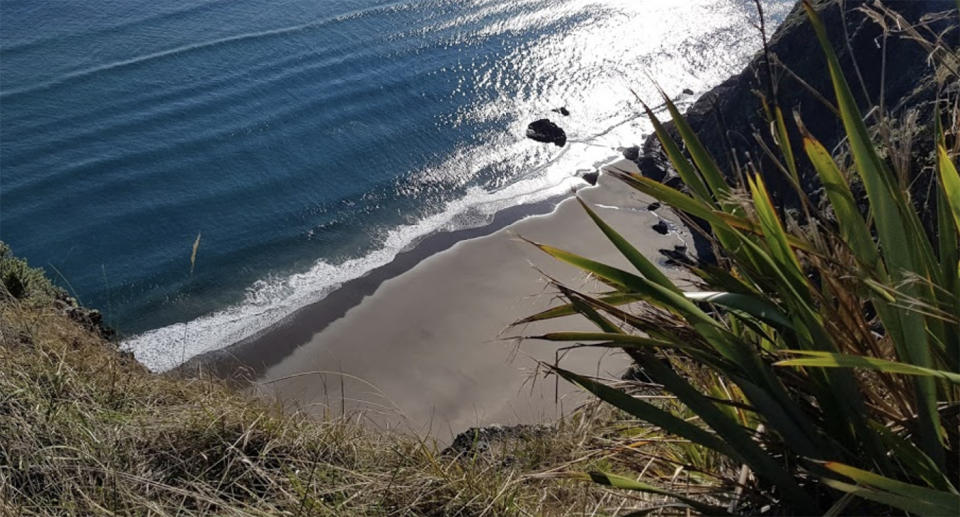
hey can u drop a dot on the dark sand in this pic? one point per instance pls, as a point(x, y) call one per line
point(428, 349)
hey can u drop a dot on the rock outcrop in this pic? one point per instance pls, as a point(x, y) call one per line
point(90, 319)
point(485, 439)
point(890, 70)
point(30, 285)
point(544, 130)
point(591, 177)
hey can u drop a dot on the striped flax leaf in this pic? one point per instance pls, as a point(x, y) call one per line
point(701, 157)
point(727, 428)
point(783, 415)
point(774, 234)
point(648, 412)
point(903, 242)
point(568, 309)
point(613, 337)
point(852, 226)
point(708, 356)
point(946, 502)
point(883, 497)
point(672, 197)
point(646, 268)
point(584, 308)
point(948, 219)
point(783, 141)
point(722, 222)
point(914, 460)
point(832, 360)
point(684, 168)
point(632, 283)
point(752, 305)
point(950, 180)
point(730, 430)
point(615, 481)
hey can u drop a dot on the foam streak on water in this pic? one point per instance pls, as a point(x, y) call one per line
point(270, 300)
point(309, 142)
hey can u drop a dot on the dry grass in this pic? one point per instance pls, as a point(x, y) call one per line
point(86, 430)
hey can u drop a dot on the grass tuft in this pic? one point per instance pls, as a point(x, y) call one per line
point(86, 430)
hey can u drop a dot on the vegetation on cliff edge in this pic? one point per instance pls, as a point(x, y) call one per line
point(820, 357)
point(86, 430)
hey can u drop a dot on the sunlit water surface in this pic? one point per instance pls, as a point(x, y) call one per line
point(308, 141)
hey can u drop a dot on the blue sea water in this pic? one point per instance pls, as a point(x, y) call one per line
point(308, 141)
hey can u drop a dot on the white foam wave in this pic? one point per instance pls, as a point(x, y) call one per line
point(270, 300)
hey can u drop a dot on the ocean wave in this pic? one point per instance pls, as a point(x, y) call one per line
point(204, 45)
point(424, 121)
point(270, 300)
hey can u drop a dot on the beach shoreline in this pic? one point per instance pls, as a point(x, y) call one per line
point(248, 358)
point(426, 344)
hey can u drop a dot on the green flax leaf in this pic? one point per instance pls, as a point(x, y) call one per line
point(833, 360)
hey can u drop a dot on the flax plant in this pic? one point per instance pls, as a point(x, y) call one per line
point(832, 344)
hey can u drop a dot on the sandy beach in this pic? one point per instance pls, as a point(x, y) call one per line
point(431, 350)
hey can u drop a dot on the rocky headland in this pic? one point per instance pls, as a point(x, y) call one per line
point(884, 51)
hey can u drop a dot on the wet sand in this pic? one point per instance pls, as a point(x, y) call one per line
point(430, 350)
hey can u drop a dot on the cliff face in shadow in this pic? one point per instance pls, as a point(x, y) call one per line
point(891, 74)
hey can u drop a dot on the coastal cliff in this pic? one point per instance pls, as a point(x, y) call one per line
point(87, 430)
point(889, 69)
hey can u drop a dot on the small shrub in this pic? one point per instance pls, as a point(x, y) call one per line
point(22, 281)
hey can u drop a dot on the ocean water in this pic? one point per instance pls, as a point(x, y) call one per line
point(308, 141)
